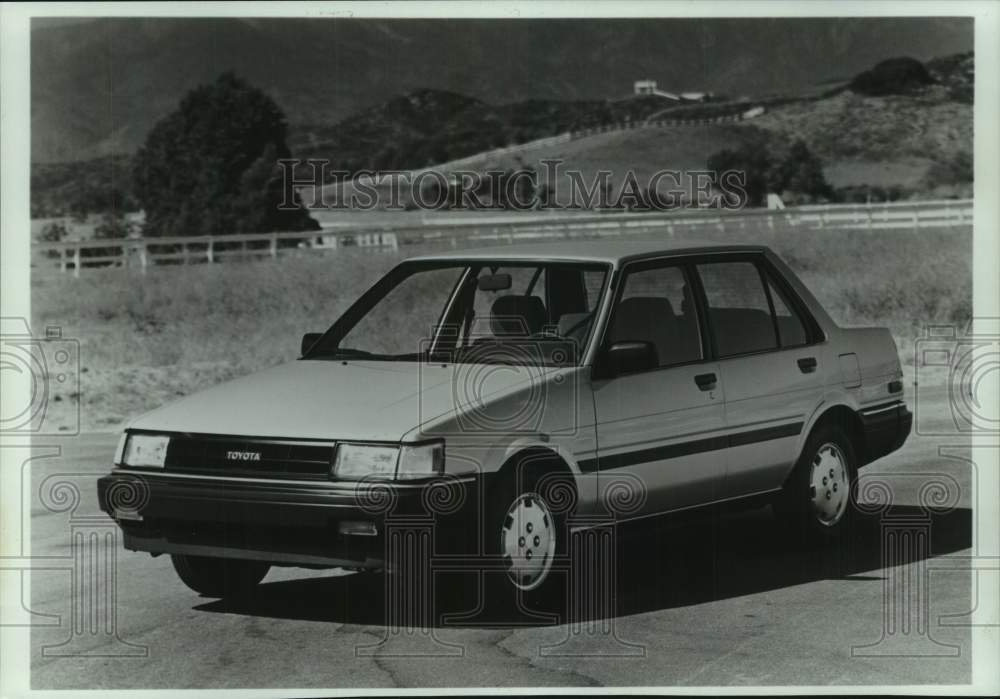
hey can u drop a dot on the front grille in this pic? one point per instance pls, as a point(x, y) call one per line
point(251, 458)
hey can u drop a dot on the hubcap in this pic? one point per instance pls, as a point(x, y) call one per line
point(829, 486)
point(528, 542)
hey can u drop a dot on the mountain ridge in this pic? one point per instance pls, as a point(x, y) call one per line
point(98, 87)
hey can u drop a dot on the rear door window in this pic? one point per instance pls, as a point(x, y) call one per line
point(739, 310)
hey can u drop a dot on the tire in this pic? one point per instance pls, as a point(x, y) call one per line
point(219, 577)
point(525, 528)
point(815, 505)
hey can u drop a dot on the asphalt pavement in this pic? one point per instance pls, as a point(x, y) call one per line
point(717, 601)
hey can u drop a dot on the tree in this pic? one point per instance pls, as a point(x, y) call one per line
point(801, 172)
point(752, 159)
point(211, 166)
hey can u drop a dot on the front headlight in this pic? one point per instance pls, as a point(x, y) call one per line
point(145, 450)
point(365, 460)
point(420, 461)
point(355, 461)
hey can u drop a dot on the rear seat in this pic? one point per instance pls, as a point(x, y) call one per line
point(741, 330)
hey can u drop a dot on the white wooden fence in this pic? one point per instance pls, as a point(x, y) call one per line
point(73, 256)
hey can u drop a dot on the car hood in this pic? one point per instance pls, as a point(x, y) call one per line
point(316, 399)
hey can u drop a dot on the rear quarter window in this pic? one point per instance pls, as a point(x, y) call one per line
point(791, 329)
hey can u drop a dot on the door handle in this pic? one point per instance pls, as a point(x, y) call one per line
point(706, 382)
point(807, 365)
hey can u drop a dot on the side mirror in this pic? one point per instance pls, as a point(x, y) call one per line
point(627, 357)
point(308, 340)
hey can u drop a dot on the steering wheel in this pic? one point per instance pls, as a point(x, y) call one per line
point(547, 333)
point(553, 334)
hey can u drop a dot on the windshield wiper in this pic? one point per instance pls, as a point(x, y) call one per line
point(344, 353)
point(351, 353)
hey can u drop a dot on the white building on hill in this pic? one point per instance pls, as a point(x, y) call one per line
point(648, 87)
point(645, 87)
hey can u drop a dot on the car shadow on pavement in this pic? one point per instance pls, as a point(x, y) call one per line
point(659, 564)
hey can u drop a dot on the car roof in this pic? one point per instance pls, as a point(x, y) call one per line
point(609, 250)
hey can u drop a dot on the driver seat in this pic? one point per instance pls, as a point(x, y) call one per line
point(515, 315)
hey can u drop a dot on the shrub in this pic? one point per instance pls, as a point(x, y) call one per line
point(80, 188)
point(113, 226)
point(958, 169)
point(896, 76)
point(54, 232)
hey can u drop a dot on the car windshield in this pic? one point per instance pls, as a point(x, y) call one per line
point(472, 312)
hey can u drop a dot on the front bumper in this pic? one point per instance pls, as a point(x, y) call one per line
point(886, 428)
point(282, 522)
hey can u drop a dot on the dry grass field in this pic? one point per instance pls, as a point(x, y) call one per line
point(145, 340)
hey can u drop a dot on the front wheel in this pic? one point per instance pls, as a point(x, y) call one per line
point(815, 504)
point(528, 542)
point(219, 577)
point(526, 530)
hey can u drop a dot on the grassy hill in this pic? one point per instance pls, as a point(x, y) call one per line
point(643, 151)
point(427, 127)
point(901, 145)
point(911, 139)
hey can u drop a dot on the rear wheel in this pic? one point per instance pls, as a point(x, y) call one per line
point(219, 577)
point(815, 504)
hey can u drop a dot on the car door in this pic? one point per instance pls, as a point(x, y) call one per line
point(768, 364)
point(662, 426)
